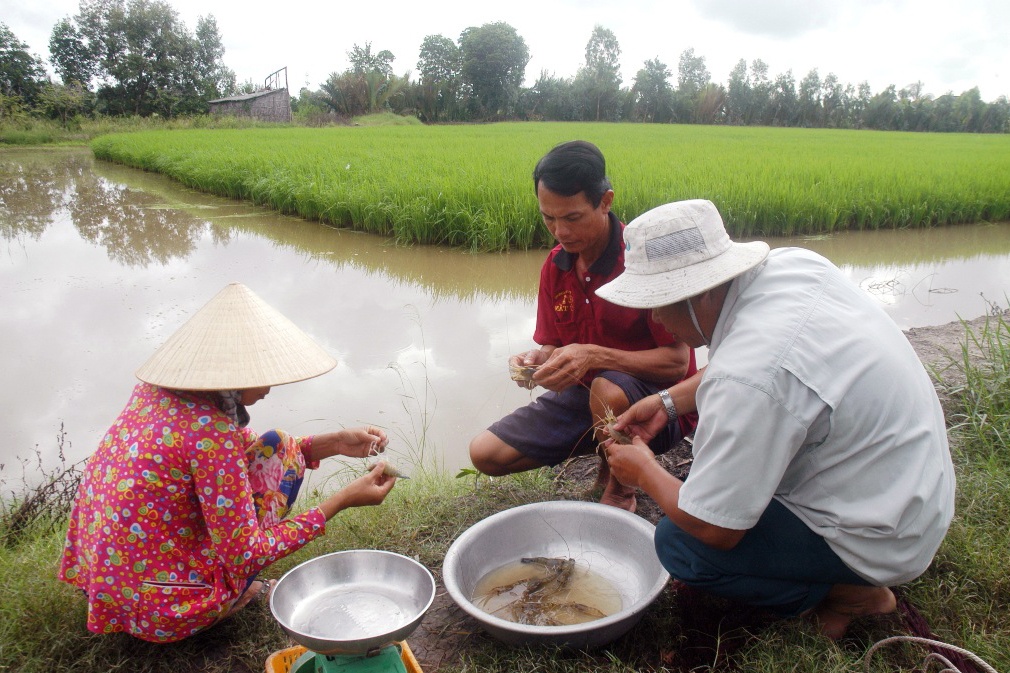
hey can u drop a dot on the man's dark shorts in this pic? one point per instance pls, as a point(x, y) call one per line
point(556, 426)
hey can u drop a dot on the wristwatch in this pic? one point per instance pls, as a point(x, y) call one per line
point(671, 408)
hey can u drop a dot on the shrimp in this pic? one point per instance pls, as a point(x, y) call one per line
point(607, 425)
point(523, 374)
point(390, 470)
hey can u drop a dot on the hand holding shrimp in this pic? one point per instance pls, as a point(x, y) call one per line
point(565, 366)
point(522, 367)
point(630, 462)
point(644, 418)
point(352, 442)
point(370, 488)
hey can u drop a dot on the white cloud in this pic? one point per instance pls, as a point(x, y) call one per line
point(776, 19)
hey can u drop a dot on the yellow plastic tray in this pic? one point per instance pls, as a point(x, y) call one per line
point(282, 660)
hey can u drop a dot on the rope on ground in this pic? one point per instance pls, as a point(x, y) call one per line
point(932, 656)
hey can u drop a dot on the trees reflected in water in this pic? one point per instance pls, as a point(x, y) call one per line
point(30, 192)
point(131, 225)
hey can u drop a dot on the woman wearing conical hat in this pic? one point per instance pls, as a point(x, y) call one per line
point(182, 505)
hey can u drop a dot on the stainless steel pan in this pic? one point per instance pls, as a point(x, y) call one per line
point(352, 602)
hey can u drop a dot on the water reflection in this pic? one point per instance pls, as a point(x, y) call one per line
point(104, 262)
point(133, 232)
point(924, 277)
point(32, 188)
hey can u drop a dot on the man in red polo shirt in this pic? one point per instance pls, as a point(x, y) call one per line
point(594, 356)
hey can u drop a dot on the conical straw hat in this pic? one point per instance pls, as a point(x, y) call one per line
point(235, 341)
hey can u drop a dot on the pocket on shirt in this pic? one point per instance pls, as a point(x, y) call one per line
point(168, 587)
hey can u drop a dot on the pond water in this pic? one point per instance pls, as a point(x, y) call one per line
point(99, 264)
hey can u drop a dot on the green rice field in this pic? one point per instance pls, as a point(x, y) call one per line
point(470, 186)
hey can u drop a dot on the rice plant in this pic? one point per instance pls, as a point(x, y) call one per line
point(471, 186)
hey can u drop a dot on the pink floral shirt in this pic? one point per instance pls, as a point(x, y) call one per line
point(164, 534)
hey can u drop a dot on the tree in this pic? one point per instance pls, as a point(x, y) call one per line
point(145, 59)
point(760, 91)
point(809, 99)
point(599, 80)
point(345, 93)
point(970, 110)
point(997, 116)
point(71, 56)
point(882, 111)
point(653, 93)
point(738, 94)
point(551, 98)
point(493, 66)
point(363, 61)
point(692, 78)
point(710, 104)
point(944, 117)
point(692, 73)
point(64, 100)
point(369, 85)
point(213, 78)
point(782, 100)
point(834, 103)
point(22, 75)
point(438, 67)
point(860, 103)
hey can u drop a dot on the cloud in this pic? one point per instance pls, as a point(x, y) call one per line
point(783, 19)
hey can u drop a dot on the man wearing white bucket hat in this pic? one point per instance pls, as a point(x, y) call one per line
point(182, 505)
point(593, 357)
point(821, 472)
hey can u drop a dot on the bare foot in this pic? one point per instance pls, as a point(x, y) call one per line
point(846, 602)
point(602, 479)
point(618, 495)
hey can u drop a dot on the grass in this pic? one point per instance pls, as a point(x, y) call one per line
point(963, 596)
point(470, 185)
point(25, 130)
point(42, 620)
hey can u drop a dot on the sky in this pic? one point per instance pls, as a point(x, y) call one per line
point(947, 46)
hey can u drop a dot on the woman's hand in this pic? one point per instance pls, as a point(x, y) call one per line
point(363, 442)
point(353, 443)
point(369, 489)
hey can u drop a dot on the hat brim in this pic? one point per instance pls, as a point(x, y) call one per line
point(670, 287)
point(236, 341)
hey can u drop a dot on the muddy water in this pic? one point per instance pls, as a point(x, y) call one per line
point(509, 593)
point(99, 264)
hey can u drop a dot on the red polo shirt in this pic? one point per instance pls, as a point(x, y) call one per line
point(568, 310)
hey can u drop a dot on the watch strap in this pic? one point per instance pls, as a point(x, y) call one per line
point(671, 408)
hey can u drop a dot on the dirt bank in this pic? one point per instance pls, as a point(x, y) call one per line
point(446, 629)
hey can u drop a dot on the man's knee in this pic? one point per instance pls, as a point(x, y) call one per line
point(485, 454)
point(677, 552)
point(495, 458)
point(605, 395)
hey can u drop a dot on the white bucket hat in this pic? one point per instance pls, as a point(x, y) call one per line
point(235, 341)
point(677, 251)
